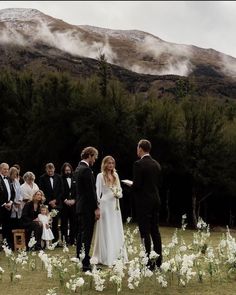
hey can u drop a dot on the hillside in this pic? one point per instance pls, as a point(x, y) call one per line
point(37, 42)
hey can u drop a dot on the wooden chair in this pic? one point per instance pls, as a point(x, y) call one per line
point(19, 239)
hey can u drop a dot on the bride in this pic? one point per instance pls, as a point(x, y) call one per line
point(109, 235)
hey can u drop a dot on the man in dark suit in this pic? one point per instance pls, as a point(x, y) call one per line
point(86, 203)
point(51, 185)
point(68, 217)
point(7, 195)
point(145, 188)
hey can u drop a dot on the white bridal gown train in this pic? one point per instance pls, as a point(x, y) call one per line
point(109, 243)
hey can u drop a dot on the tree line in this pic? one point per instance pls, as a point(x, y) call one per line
point(52, 117)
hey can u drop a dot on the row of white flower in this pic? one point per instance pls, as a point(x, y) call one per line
point(182, 262)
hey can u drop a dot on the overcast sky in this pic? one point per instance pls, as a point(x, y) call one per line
point(210, 24)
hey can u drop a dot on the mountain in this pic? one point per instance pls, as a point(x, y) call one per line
point(32, 40)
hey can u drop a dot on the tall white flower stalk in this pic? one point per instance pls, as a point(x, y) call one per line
point(134, 273)
point(129, 237)
point(1, 273)
point(59, 266)
point(98, 276)
point(227, 252)
point(183, 222)
point(12, 265)
point(212, 263)
point(75, 283)
point(117, 274)
point(200, 238)
point(46, 260)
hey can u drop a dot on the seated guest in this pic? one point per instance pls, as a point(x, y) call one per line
point(30, 219)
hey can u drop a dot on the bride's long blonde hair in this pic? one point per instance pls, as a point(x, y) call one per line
point(104, 170)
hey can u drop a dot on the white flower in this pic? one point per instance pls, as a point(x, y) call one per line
point(32, 242)
point(153, 255)
point(165, 266)
point(53, 213)
point(75, 259)
point(17, 277)
point(1, 270)
point(128, 219)
point(93, 260)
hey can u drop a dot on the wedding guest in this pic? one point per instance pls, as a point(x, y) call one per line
point(20, 178)
point(109, 244)
point(146, 177)
point(17, 205)
point(29, 187)
point(86, 203)
point(7, 195)
point(51, 184)
point(30, 219)
point(68, 217)
point(46, 220)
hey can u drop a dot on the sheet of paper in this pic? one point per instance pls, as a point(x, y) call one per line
point(127, 182)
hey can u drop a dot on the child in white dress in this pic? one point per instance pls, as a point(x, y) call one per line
point(46, 220)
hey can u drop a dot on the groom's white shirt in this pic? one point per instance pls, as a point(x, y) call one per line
point(85, 162)
point(145, 155)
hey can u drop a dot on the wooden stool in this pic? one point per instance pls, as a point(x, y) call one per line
point(19, 239)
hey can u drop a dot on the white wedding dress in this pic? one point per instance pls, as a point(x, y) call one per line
point(109, 244)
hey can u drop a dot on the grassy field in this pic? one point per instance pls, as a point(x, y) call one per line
point(35, 282)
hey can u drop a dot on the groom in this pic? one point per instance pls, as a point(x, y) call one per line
point(86, 203)
point(146, 177)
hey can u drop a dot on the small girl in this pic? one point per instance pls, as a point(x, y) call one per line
point(45, 218)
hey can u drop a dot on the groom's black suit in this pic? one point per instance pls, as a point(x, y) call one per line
point(147, 202)
point(86, 204)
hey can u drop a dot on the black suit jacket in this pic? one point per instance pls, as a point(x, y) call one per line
point(86, 196)
point(4, 193)
point(28, 213)
point(146, 181)
point(52, 193)
point(68, 193)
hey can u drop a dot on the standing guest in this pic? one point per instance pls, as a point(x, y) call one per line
point(146, 179)
point(46, 220)
point(68, 217)
point(17, 206)
point(30, 219)
point(20, 178)
point(86, 203)
point(51, 184)
point(7, 195)
point(109, 244)
point(29, 187)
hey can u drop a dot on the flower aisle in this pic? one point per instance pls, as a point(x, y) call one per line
point(184, 263)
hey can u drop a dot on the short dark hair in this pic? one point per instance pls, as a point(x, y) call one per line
point(88, 151)
point(145, 145)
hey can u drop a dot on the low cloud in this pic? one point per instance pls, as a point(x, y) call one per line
point(229, 66)
point(68, 41)
point(177, 60)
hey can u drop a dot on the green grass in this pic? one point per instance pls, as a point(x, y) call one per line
point(35, 282)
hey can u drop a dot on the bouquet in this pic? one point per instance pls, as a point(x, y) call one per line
point(53, 213)
point(117, 194)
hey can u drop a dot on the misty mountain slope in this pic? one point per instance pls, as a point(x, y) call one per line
point(37, 42)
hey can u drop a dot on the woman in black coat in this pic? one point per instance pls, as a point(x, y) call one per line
point(30, 218)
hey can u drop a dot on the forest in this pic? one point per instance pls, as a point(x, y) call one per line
point(51, 117)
